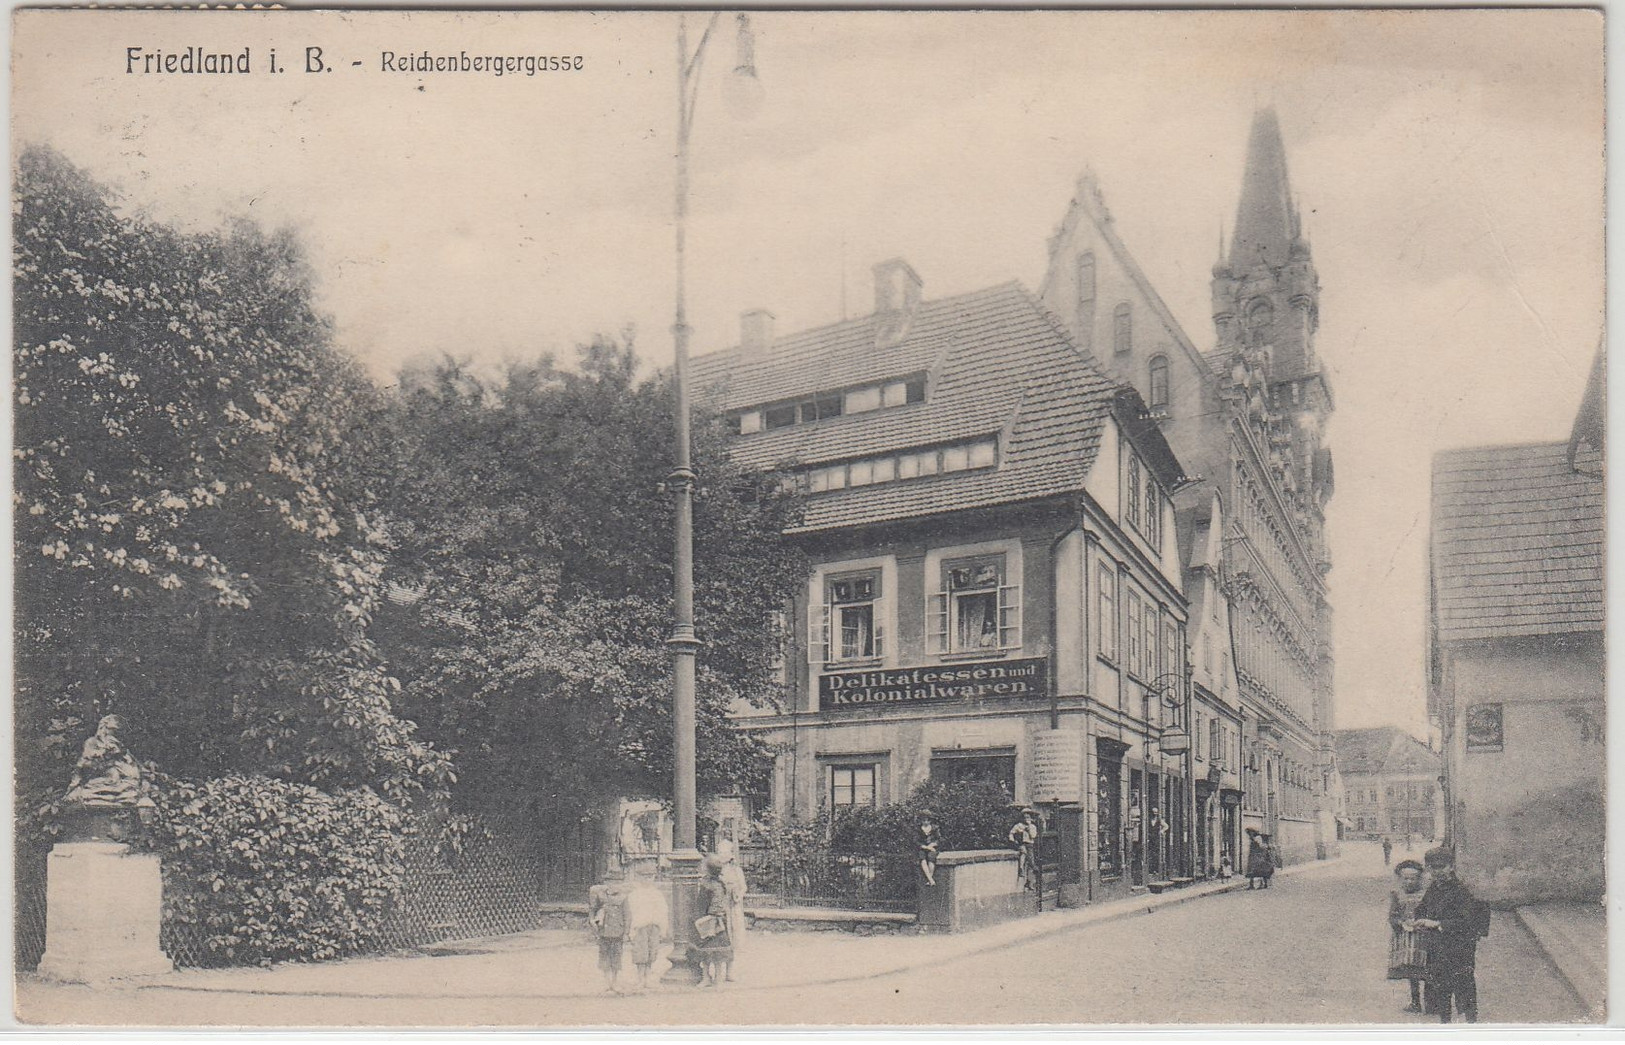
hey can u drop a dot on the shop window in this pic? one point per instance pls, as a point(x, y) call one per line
point(976, 610)
point(853, 784)
point(1109, 818)
point(995, 766)
point(850, 627)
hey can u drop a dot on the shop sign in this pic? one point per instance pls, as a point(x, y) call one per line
point(994, 679)
point(1058, 766)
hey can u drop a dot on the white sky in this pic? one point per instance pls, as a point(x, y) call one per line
point(1448, 163)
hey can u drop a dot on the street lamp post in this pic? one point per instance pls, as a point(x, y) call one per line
point(684, 865)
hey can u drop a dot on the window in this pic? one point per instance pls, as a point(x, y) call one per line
point(852, 784)
point(861, 399)
point(779, 622)
point(1086, 279)
point(1172, 648)
point(1196, 737)
point(1151, 668)
point(750, 421)
point(1153, 514)
point(779, 416)
point(965, 766)
point(976, 610)
point(914, 390)
point(1260, 314)
point(1132, 497)
point(1107, 638)
point(1215, 741)
point(1122, 327)
point(1136, 632)
point(1159, 383)
point(820, 407)
point(850, 626)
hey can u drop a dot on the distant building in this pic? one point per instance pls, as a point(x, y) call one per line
point(1517, 659)
point(1247, 418)
point(1391, 785)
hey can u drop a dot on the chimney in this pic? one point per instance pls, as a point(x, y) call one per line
point(897, 295)
point(755, 331)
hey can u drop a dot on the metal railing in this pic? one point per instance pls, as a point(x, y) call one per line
point(826, 878)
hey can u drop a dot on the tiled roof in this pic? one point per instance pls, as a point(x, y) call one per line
point(999, 363)
point(1518, 539)
point(1384, 748)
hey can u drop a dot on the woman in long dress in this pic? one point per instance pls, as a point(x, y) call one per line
point(733, 879)
point(1407, 953)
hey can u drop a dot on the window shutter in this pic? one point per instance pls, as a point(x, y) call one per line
point(939, 622)
point(1010, 616)
point(818, 635)
point(880, 632)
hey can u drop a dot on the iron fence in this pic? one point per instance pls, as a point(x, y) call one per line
point(826, 878)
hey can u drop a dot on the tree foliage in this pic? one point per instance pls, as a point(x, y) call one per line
point(535, 536)
point(192, 547)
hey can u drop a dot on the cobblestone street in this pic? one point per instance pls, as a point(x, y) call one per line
point(1310, 950)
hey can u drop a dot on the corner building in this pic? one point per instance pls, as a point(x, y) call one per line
point(996, 590)
point(1247, 418)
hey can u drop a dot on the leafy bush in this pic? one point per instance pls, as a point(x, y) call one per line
point(972, 815)
point(266, 870)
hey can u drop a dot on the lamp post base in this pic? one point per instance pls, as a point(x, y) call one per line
point(681, 880)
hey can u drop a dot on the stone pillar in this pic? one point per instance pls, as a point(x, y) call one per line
point(103, 906)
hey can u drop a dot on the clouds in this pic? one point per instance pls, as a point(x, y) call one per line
point(1448, 163)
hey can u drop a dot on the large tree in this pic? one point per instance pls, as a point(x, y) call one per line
point(191, 547)
point(535, 550)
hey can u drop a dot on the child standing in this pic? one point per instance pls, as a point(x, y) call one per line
point(1407, 957)
point(606, 913)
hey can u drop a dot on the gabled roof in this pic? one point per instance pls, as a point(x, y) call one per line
point(999, 364)
point(1517, 545)
point(1381, 749)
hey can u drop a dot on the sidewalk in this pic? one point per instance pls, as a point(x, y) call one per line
point(562, 963)
point(1575, 938)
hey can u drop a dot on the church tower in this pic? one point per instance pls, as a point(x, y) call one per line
point(1266, 310)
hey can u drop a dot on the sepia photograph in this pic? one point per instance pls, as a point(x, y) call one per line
point(836, 519)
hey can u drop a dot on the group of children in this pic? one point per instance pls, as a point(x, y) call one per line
point(625, 912)
point(630, 913)
point(1435, 926)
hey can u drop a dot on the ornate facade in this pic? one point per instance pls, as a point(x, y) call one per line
point(1247, 419)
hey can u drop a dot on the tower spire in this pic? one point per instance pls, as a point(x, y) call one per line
point(1264, 219)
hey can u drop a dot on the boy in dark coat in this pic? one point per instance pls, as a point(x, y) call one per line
point(1451, 920)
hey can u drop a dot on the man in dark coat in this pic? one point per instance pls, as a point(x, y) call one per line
point(1452, 920)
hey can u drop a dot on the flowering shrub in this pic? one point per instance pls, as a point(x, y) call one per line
point(265, 870)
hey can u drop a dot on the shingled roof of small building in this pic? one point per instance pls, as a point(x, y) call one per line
point(999, 364)
point(1518, 539)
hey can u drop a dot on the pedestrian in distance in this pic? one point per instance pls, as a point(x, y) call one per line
point(1024, 836)
point(1407, 954)
point(648, 922)
point(928, 846)
point(715, 947)
point(1451, 920)
point(606, 913)
point(1272, 859)
point(1387, 850)
point(1258, 858)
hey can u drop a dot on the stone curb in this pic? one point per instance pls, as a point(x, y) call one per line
point(950, 946)
point(1577, 972)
